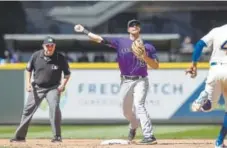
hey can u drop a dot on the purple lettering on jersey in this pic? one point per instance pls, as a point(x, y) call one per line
point(127, 61)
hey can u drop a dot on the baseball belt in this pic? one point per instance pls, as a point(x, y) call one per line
point(216, 63)
point(132, 77)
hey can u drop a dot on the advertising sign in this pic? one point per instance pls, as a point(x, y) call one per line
point(94, 95)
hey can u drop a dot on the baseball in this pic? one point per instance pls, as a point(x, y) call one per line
point(78, 28)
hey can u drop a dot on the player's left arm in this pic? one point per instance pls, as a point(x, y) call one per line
point(150, 56)
point(205, 41)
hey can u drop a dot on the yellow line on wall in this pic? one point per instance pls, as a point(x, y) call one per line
point(175, 65)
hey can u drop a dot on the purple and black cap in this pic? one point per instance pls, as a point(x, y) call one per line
point(134, 22)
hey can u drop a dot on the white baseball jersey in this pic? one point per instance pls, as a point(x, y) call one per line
point(217, 40)
point(216, 82)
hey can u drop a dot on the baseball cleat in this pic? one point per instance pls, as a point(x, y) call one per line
point(17, 139)
point(57, 139)
point(219, 144)
point(196, 107)
point(149, 141)
point(132, 134)
point(204, 106)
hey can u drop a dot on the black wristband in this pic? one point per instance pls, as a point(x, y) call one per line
point(86, 31)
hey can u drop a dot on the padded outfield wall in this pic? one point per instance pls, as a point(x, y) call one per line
point(92, 95)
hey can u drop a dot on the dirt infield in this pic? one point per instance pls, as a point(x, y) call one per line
point(79, 143)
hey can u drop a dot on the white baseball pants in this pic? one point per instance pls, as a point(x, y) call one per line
point(216, 84)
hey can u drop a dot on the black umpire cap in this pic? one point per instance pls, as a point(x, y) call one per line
point(49, 40)
point(133, 22)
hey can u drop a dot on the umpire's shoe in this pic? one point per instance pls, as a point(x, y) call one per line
point(57, 139)
point(17, 139)
point(150, 141)
point(132, 134)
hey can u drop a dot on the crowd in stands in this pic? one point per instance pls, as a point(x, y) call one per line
point(190, 32)
point(184, 54)
point(11, 56)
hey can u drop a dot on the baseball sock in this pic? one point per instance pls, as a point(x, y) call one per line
point(223, 131)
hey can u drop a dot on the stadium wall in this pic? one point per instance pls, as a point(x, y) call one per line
point(92, 95)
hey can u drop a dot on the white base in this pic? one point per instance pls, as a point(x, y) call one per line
point(115, 141)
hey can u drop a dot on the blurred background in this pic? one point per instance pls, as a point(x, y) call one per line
point(173, 27)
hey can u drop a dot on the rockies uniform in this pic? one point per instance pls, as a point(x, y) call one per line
point(47, 73)
point(134, 81)
point(216, 83)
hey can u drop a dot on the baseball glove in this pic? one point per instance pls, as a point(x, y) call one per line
point(138, 48)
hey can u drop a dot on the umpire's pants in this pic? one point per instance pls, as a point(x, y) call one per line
point(34, 99)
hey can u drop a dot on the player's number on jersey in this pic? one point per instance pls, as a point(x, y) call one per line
point(224, 46)
point(142, 63)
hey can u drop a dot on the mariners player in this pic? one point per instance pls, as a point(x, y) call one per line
point(134, 84)
point(216, 83)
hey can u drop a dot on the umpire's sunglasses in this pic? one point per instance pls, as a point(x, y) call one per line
point(49, 45)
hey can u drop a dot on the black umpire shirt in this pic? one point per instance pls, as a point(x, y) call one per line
point(47, 71)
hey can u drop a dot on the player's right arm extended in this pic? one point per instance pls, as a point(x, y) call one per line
point(92, 36)
point(95, 37)
point(99, 39)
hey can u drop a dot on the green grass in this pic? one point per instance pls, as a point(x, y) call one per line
point(117, 131)
point(205, 133)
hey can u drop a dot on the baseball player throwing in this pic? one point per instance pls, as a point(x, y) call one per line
point(133, 57)
point(216, 83)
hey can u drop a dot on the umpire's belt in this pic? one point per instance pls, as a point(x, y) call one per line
point(132, 77)
point(217, 63)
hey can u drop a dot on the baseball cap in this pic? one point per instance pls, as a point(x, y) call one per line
point(133, 22)
point(49, 40)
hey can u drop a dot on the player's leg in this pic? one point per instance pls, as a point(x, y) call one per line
point(53, 99)
point(222, 134)
point(33, 102)
point(140, 94)
point(127, 105)
point(209, 97)
point(134, 124)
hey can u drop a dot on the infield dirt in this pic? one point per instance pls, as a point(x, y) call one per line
point(88, 143)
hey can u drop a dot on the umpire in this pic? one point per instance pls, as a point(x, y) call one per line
point(47, 66)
